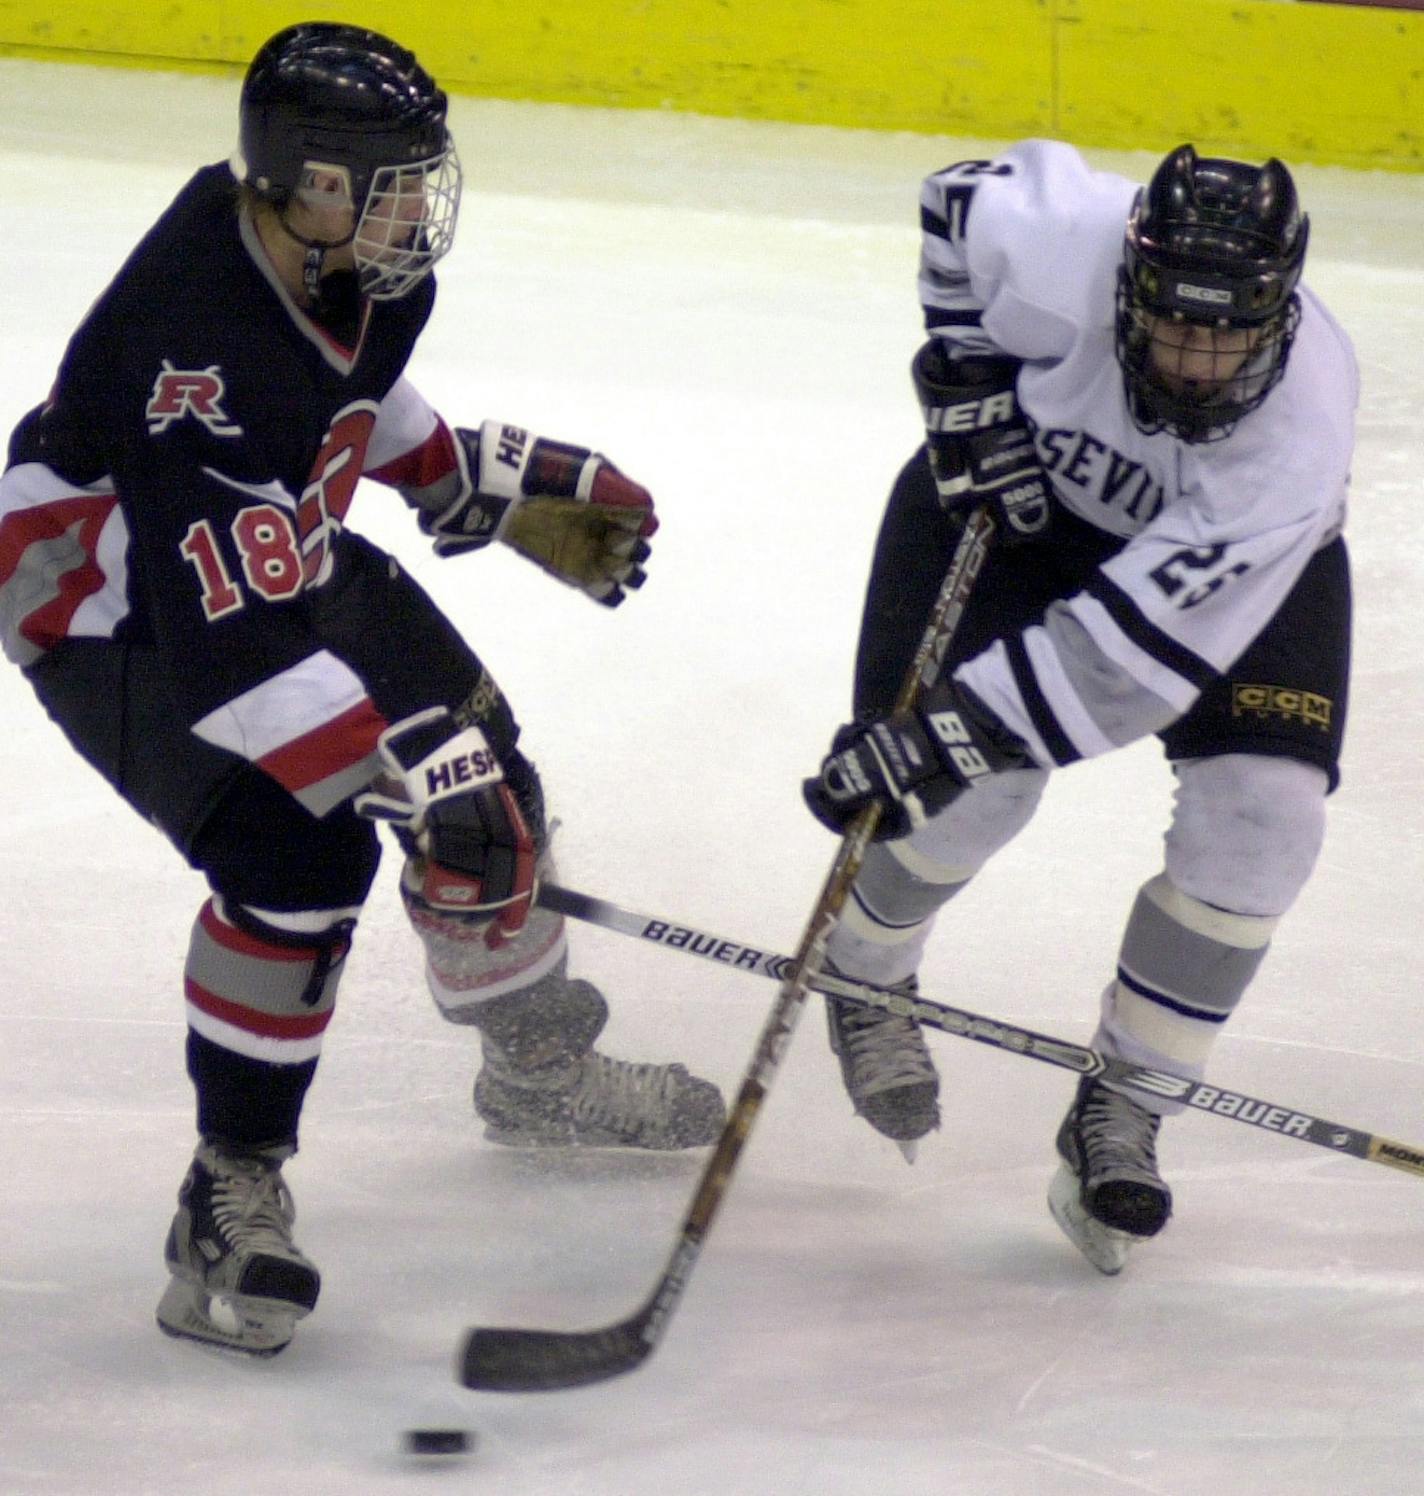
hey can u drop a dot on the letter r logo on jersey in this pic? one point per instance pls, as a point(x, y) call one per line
point(189, 392)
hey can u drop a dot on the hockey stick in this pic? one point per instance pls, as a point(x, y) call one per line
point(963, 1024)
point(516, 1360)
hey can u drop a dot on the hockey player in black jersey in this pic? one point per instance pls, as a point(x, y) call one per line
point(1160, 416)
point(265, 685)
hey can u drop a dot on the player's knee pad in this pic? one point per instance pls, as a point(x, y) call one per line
point(904, 883)
point(1246, 830)
point(887, 919)
point(968, 831)
point(262, 982)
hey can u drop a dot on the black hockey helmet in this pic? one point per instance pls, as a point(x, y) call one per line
point(325, 95)
point(1218, 244)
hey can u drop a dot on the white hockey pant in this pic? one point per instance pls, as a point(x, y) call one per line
point(903, 884)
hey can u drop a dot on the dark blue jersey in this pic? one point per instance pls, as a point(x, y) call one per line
point(184, 486)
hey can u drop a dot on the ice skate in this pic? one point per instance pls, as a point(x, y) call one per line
point(1107, 1194)
point(887, 1070)
point(598, 1102)
point(543, 1085)
point(239, 1280)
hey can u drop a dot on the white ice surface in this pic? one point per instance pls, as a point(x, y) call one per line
point(729, 311)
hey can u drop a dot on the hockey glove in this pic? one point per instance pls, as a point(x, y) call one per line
point(567, 509)
point(980, 445)
point(445, 792)
point(915, 765)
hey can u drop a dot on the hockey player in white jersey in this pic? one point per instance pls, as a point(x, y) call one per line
point(1160, 416)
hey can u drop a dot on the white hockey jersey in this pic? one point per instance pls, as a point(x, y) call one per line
point(1020, 256)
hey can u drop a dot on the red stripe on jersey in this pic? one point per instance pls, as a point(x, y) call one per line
point(249, 1020)
point(80, 518)
point(422, 465)
point(326, 750)
point(232, 939)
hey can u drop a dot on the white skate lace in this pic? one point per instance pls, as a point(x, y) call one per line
point(252, 1206)
point(1118, 1136)
point(624, 1095)
point(885, 1050)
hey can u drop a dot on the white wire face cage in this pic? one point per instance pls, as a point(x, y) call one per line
point(407, 224)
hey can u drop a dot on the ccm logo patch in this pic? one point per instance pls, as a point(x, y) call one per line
point(1210, 295)
point(189, 392)
point(1281, 701)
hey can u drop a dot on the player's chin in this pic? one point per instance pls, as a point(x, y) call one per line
point(1203, 392)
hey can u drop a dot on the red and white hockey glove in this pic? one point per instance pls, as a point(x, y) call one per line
point(569, 510)
point(444, 790)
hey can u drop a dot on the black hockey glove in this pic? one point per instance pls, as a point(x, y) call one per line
point(565, 508)
point(445, 792)
point(980, 445)
point(914, 765)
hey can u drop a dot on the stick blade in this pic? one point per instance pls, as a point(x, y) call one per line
point(505, 1360)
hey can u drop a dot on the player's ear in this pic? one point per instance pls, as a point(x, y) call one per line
point(325, 181)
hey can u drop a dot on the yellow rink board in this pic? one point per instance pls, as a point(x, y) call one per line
point(1323, 83)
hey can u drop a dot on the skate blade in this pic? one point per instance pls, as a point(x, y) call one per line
point(508, 1137)
point(581, 1142)
point(521, 1137)
point(1106, 1248)
point(254, 1327)
point(893, 1127)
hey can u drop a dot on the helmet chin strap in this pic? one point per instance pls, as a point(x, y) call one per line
point(314, 260)
point(312, 263)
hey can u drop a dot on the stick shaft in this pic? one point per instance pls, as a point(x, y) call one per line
point(810, 955)
point(963, 1024)
point(497, 1359)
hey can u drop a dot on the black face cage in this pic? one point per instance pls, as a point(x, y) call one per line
point(1206, 411)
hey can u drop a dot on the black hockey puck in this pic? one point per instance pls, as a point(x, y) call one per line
point(437, 1441)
